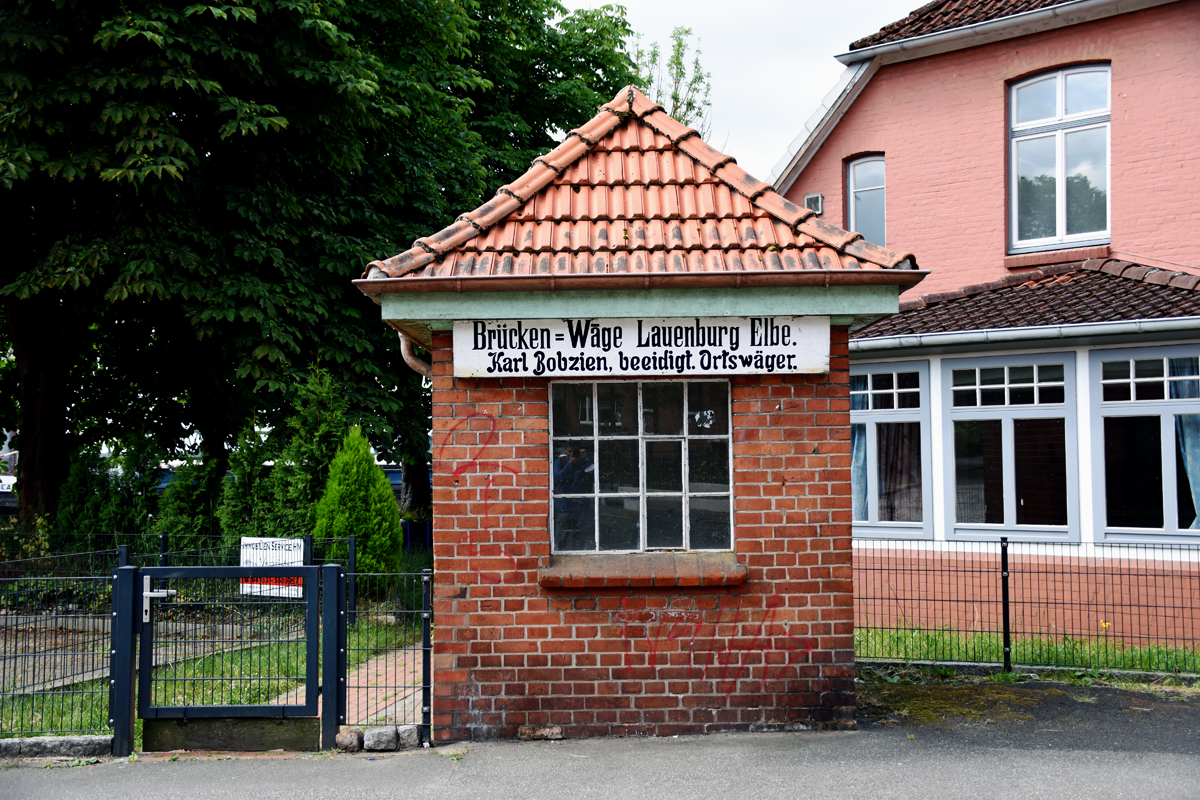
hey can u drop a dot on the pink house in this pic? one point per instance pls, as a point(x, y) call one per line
point(1040, 159)
point(948, 108)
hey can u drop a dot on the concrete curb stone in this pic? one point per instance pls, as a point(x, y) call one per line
point(377, 739)
point(60, 746)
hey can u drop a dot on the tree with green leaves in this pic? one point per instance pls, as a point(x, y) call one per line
point(684, 94)
point(358, 501)
point(189, 189)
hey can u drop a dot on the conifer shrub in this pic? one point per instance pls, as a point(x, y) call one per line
point(358, 501)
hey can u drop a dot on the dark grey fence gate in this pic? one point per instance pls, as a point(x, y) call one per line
point(265, 643)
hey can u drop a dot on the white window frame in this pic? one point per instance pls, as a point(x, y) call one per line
point(872, 527)
point(642, 493)
point(982, 531)
point(1166, 410)
point(853, 217)
point(1058, 126)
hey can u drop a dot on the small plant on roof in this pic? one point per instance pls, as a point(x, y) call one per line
point(359, 501)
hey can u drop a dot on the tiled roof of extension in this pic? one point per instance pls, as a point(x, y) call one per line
point(944, 15)
point(1096, 290)
point(635, 195)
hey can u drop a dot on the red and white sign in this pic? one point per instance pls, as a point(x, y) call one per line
point(258, 551)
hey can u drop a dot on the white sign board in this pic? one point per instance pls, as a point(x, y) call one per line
point(259, 551)
point(560, 348)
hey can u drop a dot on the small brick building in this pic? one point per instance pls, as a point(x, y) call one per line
point(641, 444)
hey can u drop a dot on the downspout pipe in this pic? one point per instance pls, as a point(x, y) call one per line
point(418, 365)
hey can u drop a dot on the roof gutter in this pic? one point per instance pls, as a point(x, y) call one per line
point(1071, 12)
point(1040, 333)
point(904, 278)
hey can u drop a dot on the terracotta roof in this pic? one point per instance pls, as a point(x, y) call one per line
point(634, 194)
point(944, 15)
point(1096, 290)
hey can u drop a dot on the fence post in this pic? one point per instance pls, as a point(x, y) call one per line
point(1004, 603)
point(308, 549)
point(162, 550)
point(352, 584)
point(426, 654)
point(123, 555)
point(330, 645)
point(121, 692)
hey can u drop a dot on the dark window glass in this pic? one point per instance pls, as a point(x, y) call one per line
point(708, 465)
point(1051, 394)
point(664, 522)
point(991, 376)
point(883, 401)
point(1133, 486)
point(662, 408)
point(898, 448)
point(1148, 368)
point(574, 523)
point(709, 520)
point(618, 459)
point(573, 467)
point(708, 407)
point(859, 402)
point(881, 380)
point(1149, 391)
point(1189, 365)
point(909, 380)
point(573, 409)
point(1050, 372)
point(1114, 370)
point(963, 377)
point(664, 466)
point(1040, 466)
point(1020, 374)
point(858, 471)
point(991, 397)
point(978, 472)
point(858, 383)
point(964, 397)
point(1020, 396)
point(909, 399)
point(1116, 391)
point(616, 406)
point(619, 523)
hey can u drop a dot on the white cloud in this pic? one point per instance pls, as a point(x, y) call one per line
point(771, 61)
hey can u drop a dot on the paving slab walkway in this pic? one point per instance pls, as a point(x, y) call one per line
point(385, 690)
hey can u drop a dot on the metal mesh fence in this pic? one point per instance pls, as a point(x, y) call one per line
point(228, 641)
point(54, 651)
point(384, 657)
point(1132, 607)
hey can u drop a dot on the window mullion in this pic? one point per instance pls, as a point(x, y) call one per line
point(683, 446)
point(1170, 474)
point(1060, 181)
point(1009, 459)
point(872, 474)
point(596, 461)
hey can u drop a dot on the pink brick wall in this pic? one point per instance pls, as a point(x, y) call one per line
point(941, 120)
point(776, 650)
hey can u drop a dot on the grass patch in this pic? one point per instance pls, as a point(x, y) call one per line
point(919, 644)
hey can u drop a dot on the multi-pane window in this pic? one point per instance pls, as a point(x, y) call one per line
point(1010, 442)
point(641, 465)
point(1149, 464)
point(889, 459)
point(1060, 155)
point(867, 200)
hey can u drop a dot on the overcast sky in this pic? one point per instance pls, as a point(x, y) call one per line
point(771, 61)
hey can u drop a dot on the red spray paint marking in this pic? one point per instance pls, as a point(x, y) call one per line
point(680, 624)
point(474, 547)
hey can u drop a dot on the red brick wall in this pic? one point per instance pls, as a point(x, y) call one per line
point(941, 123)
point(776, 651)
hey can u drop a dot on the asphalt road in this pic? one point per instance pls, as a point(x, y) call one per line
point(1046, 741)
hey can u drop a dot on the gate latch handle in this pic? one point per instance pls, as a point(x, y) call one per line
point(147, 594)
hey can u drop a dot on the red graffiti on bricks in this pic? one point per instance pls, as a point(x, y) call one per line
point(478, 542)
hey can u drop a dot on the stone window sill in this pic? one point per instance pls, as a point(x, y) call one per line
point(642, 570)
point(1044, 257)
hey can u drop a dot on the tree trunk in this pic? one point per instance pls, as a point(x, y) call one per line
point(43, 331)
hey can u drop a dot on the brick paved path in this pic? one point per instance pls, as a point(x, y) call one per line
point(386, 689)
